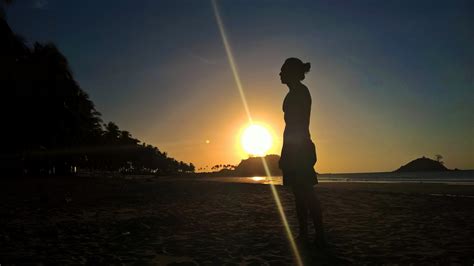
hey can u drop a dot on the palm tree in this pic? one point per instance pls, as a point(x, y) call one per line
point(112, 132)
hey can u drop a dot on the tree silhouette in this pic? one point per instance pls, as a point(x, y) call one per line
point(52, 126)
point(111, 133)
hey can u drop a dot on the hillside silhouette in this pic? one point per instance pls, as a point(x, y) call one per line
point(253, 166)
point(422, 164)
point(52, 127)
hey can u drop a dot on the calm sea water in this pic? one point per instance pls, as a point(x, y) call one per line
point(465, 177)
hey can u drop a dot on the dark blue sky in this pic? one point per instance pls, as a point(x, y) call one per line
point(390, 80)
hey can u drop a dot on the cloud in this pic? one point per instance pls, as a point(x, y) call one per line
point(40, 4)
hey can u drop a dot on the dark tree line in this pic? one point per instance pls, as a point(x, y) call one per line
point(218, 167)
point(51, 126)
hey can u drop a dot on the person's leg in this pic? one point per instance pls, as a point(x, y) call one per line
point(314, 207)
point(301, 211)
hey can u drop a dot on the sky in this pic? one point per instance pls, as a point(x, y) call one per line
point(390, 81)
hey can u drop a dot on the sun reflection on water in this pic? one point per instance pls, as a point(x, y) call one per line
point(257, 178)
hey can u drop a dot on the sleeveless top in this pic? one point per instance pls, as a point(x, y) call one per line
point(298, 154)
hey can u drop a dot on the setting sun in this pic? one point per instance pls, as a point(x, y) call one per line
point(256, 140)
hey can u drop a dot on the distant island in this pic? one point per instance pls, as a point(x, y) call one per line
point(253, 166)
point(423, 164)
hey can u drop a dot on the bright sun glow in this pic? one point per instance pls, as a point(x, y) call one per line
point(256, 140)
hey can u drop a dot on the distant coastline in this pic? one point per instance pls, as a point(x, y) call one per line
point(253, 166)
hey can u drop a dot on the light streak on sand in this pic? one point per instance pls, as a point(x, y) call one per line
point(244, 101)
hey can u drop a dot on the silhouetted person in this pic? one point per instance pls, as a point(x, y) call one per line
point(298, 154)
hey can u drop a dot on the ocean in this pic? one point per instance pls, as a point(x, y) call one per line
point(461, 177)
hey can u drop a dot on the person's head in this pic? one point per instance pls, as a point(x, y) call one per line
point(293, 70)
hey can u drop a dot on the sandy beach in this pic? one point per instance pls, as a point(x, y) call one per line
point(155, 221)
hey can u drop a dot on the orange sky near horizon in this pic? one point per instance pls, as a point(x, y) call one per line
point(350, 135)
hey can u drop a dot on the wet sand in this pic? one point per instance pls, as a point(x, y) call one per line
point(181, 222)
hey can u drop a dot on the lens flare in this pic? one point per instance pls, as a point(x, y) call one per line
point(231, 59)
point(232, 64)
